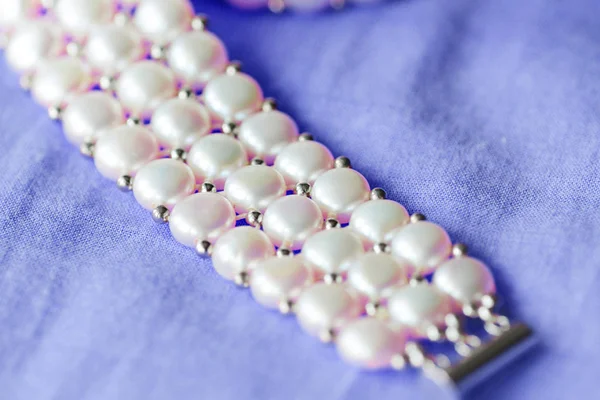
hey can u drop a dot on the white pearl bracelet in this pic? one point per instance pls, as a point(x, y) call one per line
point(152, 96)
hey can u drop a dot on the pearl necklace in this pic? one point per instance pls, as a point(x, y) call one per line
point(201, 148)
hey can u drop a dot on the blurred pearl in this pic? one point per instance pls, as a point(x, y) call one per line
point(303, 162)
point(424, 244)
point(278, 279)
point(196, 57)
point(111, 48)
point(419, 307)
point(307, 5)
point(324, 308)
point(370, 343)
point(332, 250)
point(163, 183)
point(465, 279)
point(215, 157)
point(57, 79)
point(79, 16)
point(32, 42)
point(339, 191)
point(201, 216)
point(265, 134)
point(161, 21)
point(254, 187)
point(375, 275)
point(290, 220)
point(233, 97)
point(90, 115)
point(178, 123)
point(124, 150)
point(15, 11)
point(376, 220)
point(239, 249)
point(143, 86)
point(249, 4)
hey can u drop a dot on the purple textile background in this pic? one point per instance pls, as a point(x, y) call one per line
point(482, 115)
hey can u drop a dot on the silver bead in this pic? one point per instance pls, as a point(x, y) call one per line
point(200, 22)
point(331, 223)
point(204, 248)
point(230, 128)
point(233, 68)
point(286, 307)
point(178, 154)
point(378, 194)
point(303, 189)
point(305, 137)
point(283, 252)
point(55, 113)
point(73, 49)
point(416, 217)
point(185, 93)
point(459, 250)
point(270, 104)
point(125, 183)
point(106, 83)
point(332, 278)
point(87, 149)
point(380, 248)
point(160, 214)
point(254, 218)
point(343, 162)
point(208, 187)
point(133, 121)
point(157, 52)
point(257, 161)
point(242, 279)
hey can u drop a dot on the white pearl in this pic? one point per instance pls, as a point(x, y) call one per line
point(324, 308)
point(124, 150)
point(163, 183)
point(376, 220)
point(15, 11)
point(465, 279)
point(201, 216)
point(57, 79)
point(178, 123)
point(32, 42)
point(424, 244)
point(377, 274)
point(111, 48)
point(370, 343)
point(254, 187)
point(143, 86)
point(419, 307)
point(90, 115)
point(339, 191)
point(79, 16)
point(265, 134)
point(276, 280)
point(332, 250)
point(215, 157)
point(196, 57)
point(290, 220)
point(239, 249)
point(161, 21)
point(303, 162)
point(232, 97)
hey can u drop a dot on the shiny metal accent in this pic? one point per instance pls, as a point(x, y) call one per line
point(416, 279)
point(200, 22)
point(286, 307)
point(270, 104)
point(381, 248)
point(378, 194)
point(242, 279)
point(160, 214)
point(416, 217)
point(133, 121)
point(106, 83)
point(178, 154)
point(305, 137)
point(87, 149)
point(157, 52)
point(373, 308)
point(257, 161)
point(284, 252)
point(254, 218)
point(333, 278)
point(185, 93)
point(343, 162)
point(327, 336)
point(233, 68)
point(125, 183)
point(208, 187)
point(331, 223)
point(434, 333)
point(303, 189)
point(204, 248)
point(55, 113)
point(488, 301)
point(73, 49)
point(230, 128)
point(460, 250)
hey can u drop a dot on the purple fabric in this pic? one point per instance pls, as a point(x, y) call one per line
point(481, 115)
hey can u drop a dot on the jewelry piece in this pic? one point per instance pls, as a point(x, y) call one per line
point(278, 6)
point(152, 97)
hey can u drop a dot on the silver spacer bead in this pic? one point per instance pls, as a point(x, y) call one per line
point(73, 49)
point(157, 52)
point(185, 93)
point(332, 278)
point(204, 248)
point(469, 310)
point(208, 187)
point(133, 121)
point(416, 279)
point(178, 154)
point(257, 161)
point(242, 279)
point(380, 248)
point(327, 336)
point(200, 22)
point(55, 113)
point(160, 214)
point(378, 194)
point(303, 189)
point(305, 137)
point(372, 308)
point(106, 83)
point(286, 307)
point(87, 149)
point(25, 81)
point(284, 252)
point(254, 218)
point(416, 217)
point(230, 128)
point(488, 301)
point(460, 250)
point(270, 104)
point(331, 223)
point(233, 68)
point(125, 183)
point(343, 162)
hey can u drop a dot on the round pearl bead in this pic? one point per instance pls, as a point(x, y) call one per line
point(178, 123)
point(79, 16)
point(232, 97)
point(214, 158)
point(323, 308)
point(254, 187)
point(265, 134)
point(196, 57)
point(465, 279)
point(290, 220)
point(143, 86)
point(163, 183)
point(32, 42)
point(339, 191)
point(123, 150)
point(303, 162)
point(201, 216)
point(239, 249)
point(90, 115)
point(370, 343)
point(376, 220)
point(111, 48)
point(376, 275)
point(332, 250)
point(419, 307)
point(56, 79)
point(424, 244)
point(278, 280)
point(162, 21)
point(15, 11)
